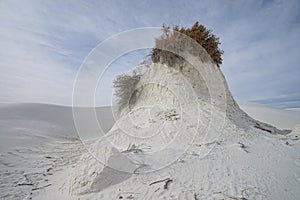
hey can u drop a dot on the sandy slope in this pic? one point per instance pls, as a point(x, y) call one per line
point(37, 141)
point(267, 168)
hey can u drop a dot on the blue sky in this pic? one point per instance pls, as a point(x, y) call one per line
point(43, 44)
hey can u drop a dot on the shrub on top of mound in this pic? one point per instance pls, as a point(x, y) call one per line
point(176, 40)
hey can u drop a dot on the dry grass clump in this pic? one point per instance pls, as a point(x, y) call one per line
point(125, 84)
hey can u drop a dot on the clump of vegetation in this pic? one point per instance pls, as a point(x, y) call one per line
point(125, 84)
point(177, 41)
point(124, 87)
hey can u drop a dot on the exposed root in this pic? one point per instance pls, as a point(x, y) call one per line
point(242, 146)
point(41, 187)
point(167, 180)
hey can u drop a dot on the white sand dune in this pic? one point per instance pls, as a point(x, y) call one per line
point(281, 118)
point(182, 136)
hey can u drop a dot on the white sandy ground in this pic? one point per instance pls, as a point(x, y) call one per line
point(39, 147)
point(36, 142)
